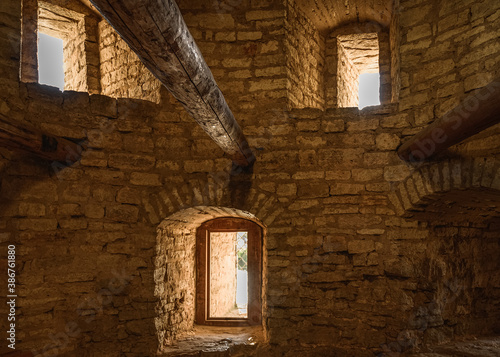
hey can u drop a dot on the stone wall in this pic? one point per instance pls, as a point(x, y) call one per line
point(395, 43)
point(347, 78)
point(243, 45)
point(447, 50)
point(176, 292)
point(222, 274)
point(122, 73)
point(29, 24)
point(349, 272)
point(305, 48)
point(75, 68)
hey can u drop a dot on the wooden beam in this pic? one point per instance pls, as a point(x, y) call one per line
point(477, 112)
point(155, 30)
point(31, 141)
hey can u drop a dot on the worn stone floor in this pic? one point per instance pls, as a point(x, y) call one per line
point(220, 341)
point(481, 347)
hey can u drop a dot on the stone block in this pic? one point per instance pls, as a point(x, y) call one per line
point(104, 175)
point(367, 174)
point(235, 62)
point(264, 14)
point(131, 161)
point(31, 209)
point(333, 126)
point(76, 192)
point(268, 84)
point(308, 175)
point(36, 224)
point(136, 143)
point(363, 124)
point(145, 179)
point(360, 246)
point(198, 166)
point(303, 204)
point(225, 36)
point(122, 213)
point(387, 141)
point(215, 20)
point(346, 189)
point(73, 224)
point(103, 105)
point(95, 211)
point(328, 277)
point(94, 158)
point(289, 189)
point(334, 244)
point(418, 32)
point(242, 74)
point(338, 175)
point(396, 173)
point(313, 189)
point(249, 36)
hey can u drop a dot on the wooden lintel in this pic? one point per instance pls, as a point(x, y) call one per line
point(22, 139)
point(477, 112)
point(157, 33)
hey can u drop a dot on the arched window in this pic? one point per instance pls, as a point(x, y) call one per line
point(229, 272)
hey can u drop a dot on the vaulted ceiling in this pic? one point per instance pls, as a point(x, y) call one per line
point(328, 14)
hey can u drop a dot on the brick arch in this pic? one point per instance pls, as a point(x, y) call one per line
point(174, 266)
point(439, 178)
point(212, 192)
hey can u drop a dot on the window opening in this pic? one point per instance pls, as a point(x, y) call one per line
point(358, 55)
point(369, 89)
point(50, 61)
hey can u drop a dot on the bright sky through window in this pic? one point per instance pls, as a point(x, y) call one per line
point(50, 61)
point(369, 84)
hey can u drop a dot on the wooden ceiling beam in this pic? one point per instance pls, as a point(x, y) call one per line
point(155, 30)
point(479, 111)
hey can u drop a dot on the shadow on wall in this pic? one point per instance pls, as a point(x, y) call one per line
point(457, 289)
point(240, 184)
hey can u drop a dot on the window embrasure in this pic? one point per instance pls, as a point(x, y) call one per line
point(357, 51)
point(76, 26)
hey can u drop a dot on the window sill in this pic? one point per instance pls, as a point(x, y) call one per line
point(217, 339)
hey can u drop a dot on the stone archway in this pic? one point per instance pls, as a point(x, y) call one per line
point(456, 206)
point(428, 181)
point(174, 273)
